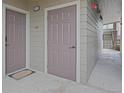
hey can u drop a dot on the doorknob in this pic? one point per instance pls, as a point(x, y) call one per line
point(73, 47)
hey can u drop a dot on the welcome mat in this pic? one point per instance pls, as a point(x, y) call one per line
point(21, 74)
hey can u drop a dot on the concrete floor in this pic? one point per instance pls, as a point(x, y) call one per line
point(107, 74)
point(44, 83)
point(106, 78)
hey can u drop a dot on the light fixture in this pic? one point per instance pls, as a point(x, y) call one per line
point(36, 8)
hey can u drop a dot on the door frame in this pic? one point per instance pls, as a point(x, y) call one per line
point(5, 6)
point(77, 3)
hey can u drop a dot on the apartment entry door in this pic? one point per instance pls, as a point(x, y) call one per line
point(15, 41)
point(61, 42)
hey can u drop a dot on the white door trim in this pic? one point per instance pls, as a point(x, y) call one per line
point(5, 6)
point(77, 3)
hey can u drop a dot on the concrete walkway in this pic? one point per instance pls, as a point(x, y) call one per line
point(107, 74)
point(105, 78)
point(44, 83)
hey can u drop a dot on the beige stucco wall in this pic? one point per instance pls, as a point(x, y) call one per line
point(23, 4)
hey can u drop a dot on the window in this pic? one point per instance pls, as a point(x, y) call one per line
point(108, 26)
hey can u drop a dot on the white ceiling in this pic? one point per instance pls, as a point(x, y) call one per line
point(111, 10)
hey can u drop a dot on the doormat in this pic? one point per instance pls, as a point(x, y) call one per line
point(21, 74)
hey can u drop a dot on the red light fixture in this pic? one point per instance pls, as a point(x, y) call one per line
point(94, 4)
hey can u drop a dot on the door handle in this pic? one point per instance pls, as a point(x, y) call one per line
point(73, 47)
point(6, 44)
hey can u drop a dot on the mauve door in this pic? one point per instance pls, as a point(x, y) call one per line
point(15, 41)
point(62, 42)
